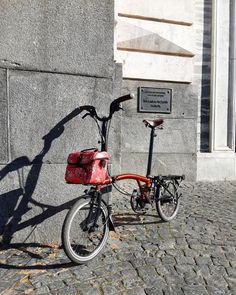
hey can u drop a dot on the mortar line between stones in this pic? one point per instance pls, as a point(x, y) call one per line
point(58, 73)
point(8, 117)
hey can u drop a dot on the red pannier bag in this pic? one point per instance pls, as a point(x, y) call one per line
point(87, 167)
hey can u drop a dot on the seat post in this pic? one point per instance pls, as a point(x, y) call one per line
point(149, 166)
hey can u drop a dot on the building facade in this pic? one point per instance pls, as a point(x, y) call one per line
point(189, 47)
point(56, 56)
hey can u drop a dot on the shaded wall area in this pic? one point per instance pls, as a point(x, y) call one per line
point(203, 71)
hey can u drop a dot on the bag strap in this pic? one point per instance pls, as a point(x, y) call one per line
point(91, 149)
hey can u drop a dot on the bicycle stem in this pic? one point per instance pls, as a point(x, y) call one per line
point(104, 136)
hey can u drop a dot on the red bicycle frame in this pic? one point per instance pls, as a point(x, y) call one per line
point(125, 176)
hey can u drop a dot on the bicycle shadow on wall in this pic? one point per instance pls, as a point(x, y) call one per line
point(16, 203)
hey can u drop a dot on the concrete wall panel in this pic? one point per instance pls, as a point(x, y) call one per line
point(155, 40)
point(35, 201)
point(177, 136)
point(216, 166)
point(57, 36)
point(42, 106)
point(163, 164)
point(170, 36)
point(149, 66)
point(175, 145)
point(44, 129)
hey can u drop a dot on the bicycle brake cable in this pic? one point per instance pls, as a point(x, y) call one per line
point(108, 130)
point(119, 189)
point(99, 129)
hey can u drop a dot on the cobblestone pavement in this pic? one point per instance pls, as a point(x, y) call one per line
point(193, 254)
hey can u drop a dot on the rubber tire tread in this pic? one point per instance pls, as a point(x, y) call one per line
point(160, 212)
point(66, 227)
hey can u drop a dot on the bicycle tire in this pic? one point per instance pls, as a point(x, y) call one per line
point(165, 203)
point(74, 233)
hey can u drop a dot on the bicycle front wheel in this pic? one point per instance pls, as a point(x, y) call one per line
point(167, 202)
point(81, 244)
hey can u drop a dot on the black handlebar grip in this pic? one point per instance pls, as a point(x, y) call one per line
point(115, 105)
point(123, 98)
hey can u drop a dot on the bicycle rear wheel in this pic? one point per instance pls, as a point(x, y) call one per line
point(81, 244)
point(167, 201)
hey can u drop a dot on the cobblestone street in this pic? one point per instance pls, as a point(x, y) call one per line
point(193, 254)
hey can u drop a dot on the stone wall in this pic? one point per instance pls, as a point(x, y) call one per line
point(55, 56)
point(174, 146)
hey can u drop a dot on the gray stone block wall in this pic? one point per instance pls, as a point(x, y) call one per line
point(164, 164)
point(55, 56)
point(57, 36)
point(35, 199)
point(175, 145)
point(45, 125)
point(40, 101)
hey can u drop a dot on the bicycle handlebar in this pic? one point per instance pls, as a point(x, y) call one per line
point(122, 98)
point(114, 107)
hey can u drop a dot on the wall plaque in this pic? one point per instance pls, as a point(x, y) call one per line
point(154, 100)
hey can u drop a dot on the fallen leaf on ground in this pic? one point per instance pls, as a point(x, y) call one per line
point(52, 255)
point(114, 246)
point(116, 236)
point(25, 280)
point(29, 291)
point(28, 272)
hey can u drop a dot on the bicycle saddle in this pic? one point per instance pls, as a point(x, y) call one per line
point(153, 123)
